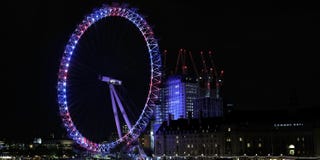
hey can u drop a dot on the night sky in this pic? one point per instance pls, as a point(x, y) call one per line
point(268, 52)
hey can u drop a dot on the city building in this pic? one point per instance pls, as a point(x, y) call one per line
point(161, 110)
point(208, 107)
point(181, 94)
point(39, 149)
point(189, 93)
point(232, 136)
point(177, 99)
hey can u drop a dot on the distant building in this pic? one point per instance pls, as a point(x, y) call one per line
point(192, 89)
point(161, 110)
point(177, 98)
point(124, 129)
point(208, 107)
point(60, 144)
point(180, 96)
point(217, 136)
point(189, 94)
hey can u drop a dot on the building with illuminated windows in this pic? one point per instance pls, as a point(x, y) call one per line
point(230, 136)
point(161, 111)
point(177, 99)
point(208, 107)
point(180, 96)
point(189, 93)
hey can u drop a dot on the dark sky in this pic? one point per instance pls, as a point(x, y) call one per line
point(268, 52)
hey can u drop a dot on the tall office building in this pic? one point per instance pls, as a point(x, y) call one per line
point(208, 107)
point(161, 111)
point(180, 96)
point(177, 98)
point(187, 93)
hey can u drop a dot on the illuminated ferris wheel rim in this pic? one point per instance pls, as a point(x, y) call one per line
point(155, 64)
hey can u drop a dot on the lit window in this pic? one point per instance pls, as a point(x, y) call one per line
point(291, 146)
point(259, 145)
point(248, 145)
point(291, 152)
point(240, 139)
point(291, 149)
point(229, 129)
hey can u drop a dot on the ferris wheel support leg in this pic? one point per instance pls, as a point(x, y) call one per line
point(115, 112)
point(124, 114)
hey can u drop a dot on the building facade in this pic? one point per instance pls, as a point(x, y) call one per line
point(208, 107)
point(181, 93)
point(214, 136)
point(177, 99)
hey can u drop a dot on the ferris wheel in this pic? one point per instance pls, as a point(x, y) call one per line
point(82, 77)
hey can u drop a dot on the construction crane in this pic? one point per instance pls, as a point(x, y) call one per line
point(217, 78)
point(210, 76)
point(194, 65)
point(206, 76)
point(181, 60)
point(165, 52)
